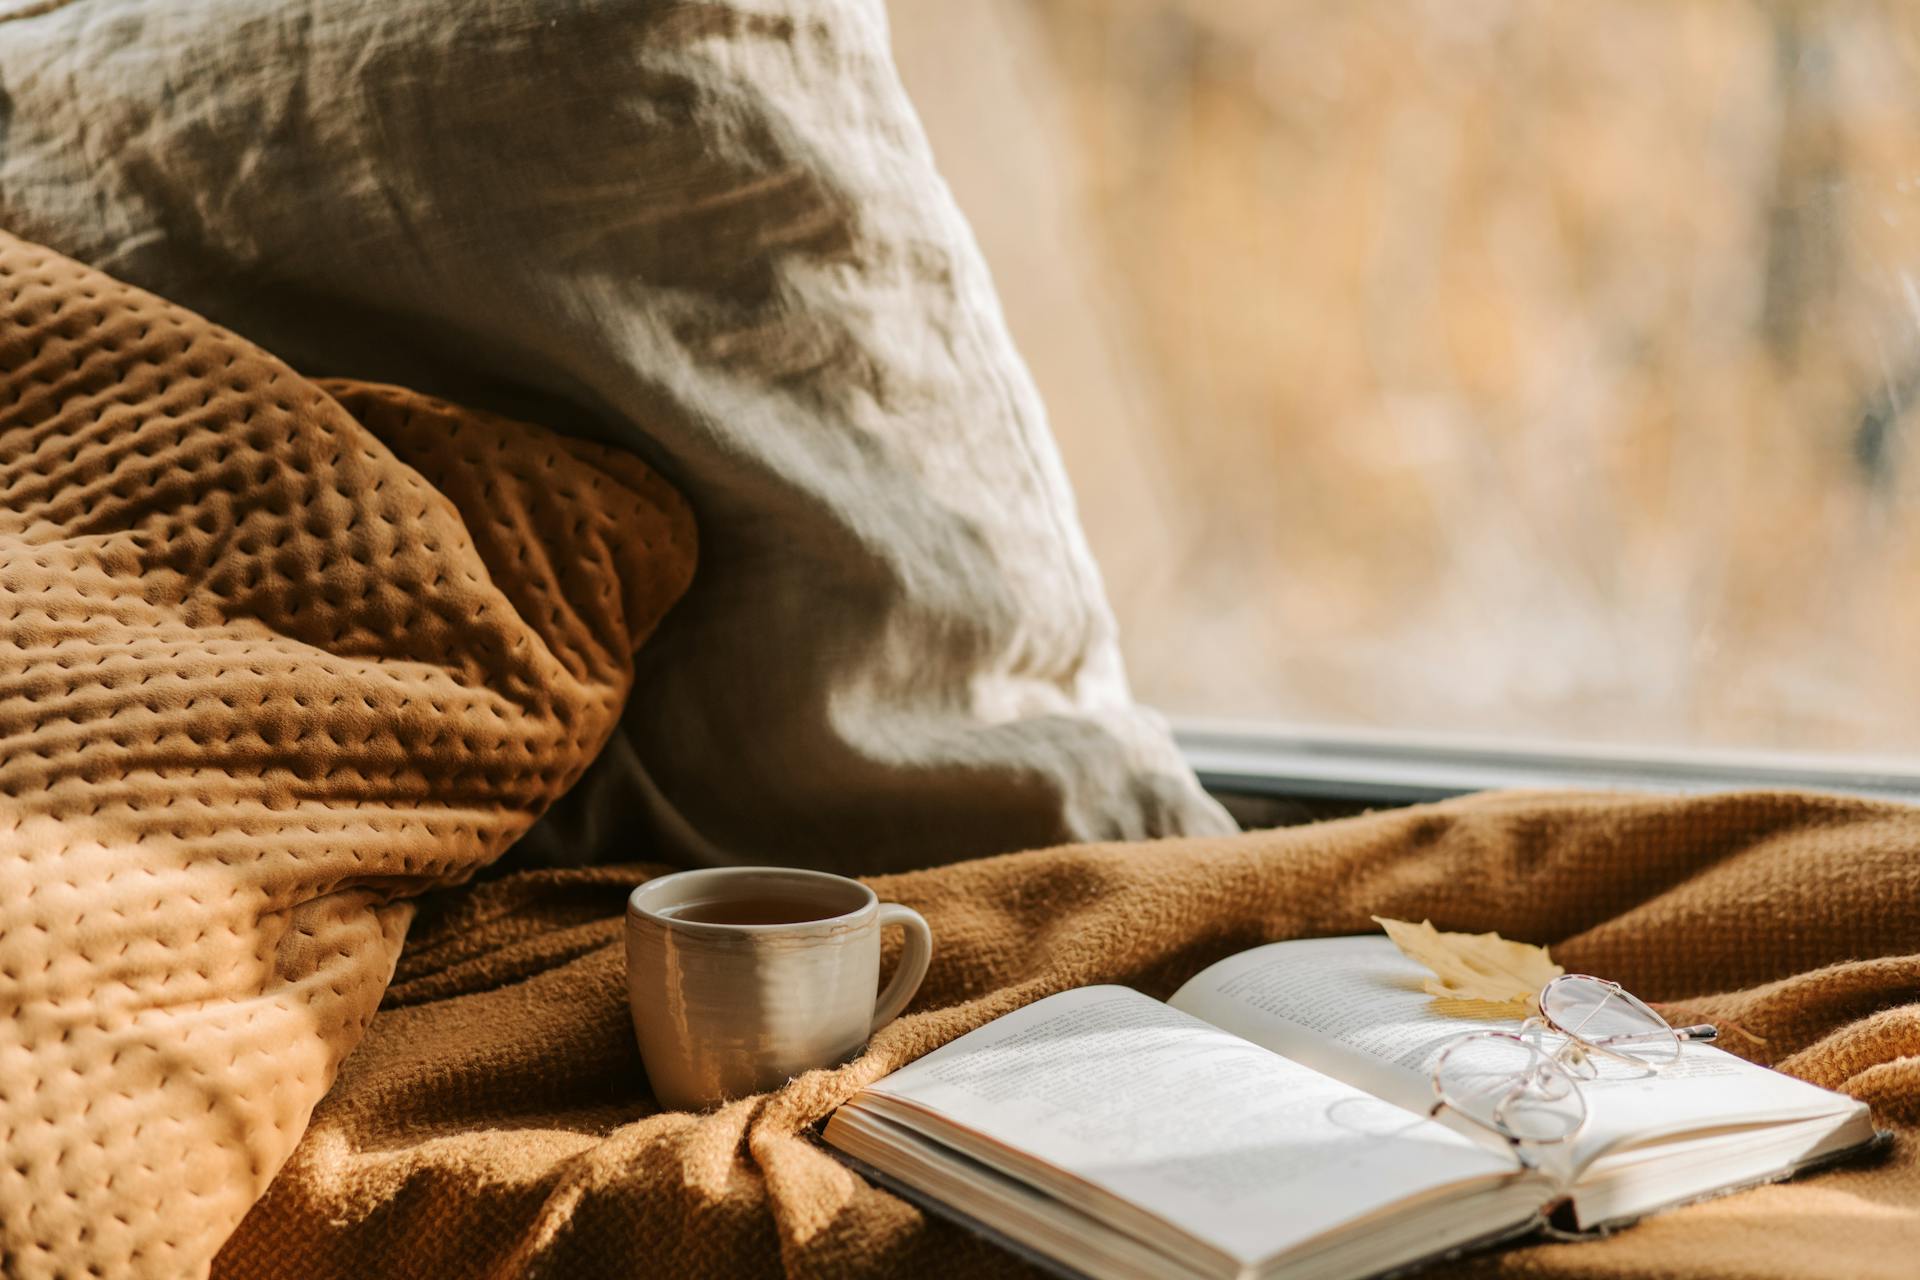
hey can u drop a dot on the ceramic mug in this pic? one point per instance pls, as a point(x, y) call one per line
point(723, 1010)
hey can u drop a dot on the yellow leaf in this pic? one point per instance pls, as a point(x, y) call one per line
point(1474, 966)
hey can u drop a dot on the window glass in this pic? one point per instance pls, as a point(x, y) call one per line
point(1485, 366)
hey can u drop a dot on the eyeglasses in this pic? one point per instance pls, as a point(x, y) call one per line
point(1515, 1084)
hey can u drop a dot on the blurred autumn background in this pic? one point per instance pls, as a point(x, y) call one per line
point(1489, 366)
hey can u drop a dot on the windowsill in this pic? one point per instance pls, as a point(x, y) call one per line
point(1376, 767)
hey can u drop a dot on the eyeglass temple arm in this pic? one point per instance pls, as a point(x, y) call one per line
point(1701, 1031)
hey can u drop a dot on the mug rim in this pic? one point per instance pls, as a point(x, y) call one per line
point(636, 911)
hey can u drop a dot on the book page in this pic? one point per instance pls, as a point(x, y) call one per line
point(1240, 1148)
point(1354, 1008)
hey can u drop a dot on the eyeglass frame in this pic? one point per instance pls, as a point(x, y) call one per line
point(1574, 1050)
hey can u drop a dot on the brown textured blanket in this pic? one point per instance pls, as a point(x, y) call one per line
point(496, 1120)
point(274, 656)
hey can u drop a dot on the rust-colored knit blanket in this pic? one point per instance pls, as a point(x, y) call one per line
point(274, 656)
point(496, 1120)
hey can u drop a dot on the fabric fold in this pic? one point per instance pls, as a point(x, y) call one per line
point(497, 1120)
point(274, 658)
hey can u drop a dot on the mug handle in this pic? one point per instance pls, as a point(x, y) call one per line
point(914, 959)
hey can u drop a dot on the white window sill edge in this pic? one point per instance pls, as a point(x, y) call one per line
point(1386, 767)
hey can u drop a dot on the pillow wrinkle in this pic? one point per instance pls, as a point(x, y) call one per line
point(712, 233)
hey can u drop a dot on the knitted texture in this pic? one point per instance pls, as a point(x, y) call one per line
point(273, 657)
point(496, 1121)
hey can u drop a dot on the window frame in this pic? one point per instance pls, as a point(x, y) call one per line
point(1395, 768)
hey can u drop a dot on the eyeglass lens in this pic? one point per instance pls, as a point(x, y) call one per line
point(1603, 1015)
point(1504, 1083)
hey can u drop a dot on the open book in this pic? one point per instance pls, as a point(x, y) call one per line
point(1272, 1119)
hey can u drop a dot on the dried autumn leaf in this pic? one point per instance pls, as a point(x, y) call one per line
point(1474, 966)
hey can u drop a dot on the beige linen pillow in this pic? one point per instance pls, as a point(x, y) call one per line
point(711, 232)
point(273, 657)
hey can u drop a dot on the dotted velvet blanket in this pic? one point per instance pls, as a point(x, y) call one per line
point(496, 1120)
point(274, 656)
